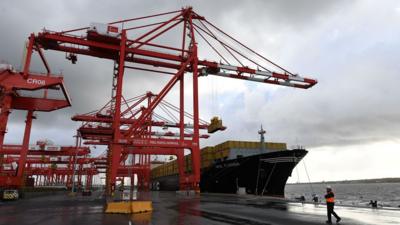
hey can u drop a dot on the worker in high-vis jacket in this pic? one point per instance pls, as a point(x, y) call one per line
point(330, 205)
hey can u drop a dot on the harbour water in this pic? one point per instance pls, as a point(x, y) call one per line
point(350, 194)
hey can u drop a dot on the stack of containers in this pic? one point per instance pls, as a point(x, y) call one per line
point(210, 154)
point(207, 156)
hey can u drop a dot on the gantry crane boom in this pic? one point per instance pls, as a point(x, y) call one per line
point(97, 48)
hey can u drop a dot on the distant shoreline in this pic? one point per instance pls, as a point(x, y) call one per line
point(363, 181)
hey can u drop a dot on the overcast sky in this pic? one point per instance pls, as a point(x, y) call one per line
point(350, 121)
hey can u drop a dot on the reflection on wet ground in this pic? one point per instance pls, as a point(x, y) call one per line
point(362, 214)
point(172, 208)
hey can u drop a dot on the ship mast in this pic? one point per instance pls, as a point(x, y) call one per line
point(262, 138)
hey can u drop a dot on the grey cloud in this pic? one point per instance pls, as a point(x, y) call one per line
point(354, 102)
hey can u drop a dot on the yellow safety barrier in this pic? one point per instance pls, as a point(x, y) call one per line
point(141, 218)
point(141, 206)
point(128, 207)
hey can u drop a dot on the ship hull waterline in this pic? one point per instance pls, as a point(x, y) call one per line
point(262, 174)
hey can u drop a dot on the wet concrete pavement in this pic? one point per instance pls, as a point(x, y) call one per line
point(172, 208)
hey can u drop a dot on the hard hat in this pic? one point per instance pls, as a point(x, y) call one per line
point(329, 187)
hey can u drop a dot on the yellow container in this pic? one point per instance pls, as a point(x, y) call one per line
point(225, 153)
point(215, 125)
point(210, 153)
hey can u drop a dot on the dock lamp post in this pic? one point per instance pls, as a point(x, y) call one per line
point(75, 161)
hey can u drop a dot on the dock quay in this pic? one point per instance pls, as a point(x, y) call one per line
point(205, 114)
point(173, 208)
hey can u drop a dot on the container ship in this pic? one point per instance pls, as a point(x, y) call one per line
point(260, 168)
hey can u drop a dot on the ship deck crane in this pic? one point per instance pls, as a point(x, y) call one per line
point(142, 44)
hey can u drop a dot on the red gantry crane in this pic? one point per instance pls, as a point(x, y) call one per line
point(166, 43)
point(17, 92)
point(97, 130)
point(49, 165)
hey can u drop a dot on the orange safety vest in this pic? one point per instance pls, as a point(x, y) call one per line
point(330, 200)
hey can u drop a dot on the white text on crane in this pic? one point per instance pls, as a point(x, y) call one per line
point(36, 81)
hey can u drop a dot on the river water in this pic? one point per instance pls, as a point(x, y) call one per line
point(357, 194)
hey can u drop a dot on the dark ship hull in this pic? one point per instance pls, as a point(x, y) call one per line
point(263, 174)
